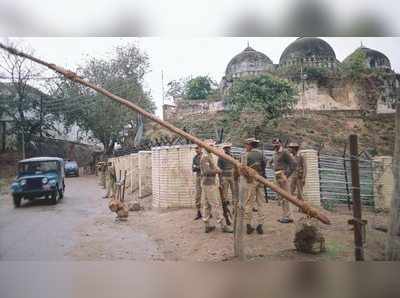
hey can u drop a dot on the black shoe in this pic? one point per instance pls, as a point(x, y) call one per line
point(260, 229)
point(250, 229)
point(285, 220)
point(209, 229)
point(198, 216)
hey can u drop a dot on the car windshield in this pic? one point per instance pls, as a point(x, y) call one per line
point(71, 164)
point(37, 167)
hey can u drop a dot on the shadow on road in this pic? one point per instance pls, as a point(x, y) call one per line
point(38, 203)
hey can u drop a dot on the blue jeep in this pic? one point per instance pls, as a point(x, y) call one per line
point(39, 177)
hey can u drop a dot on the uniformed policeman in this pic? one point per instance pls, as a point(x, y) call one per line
point(196, 170)
point(284, 166)
point(101, 167)
point(299, 176)
point(254, 191)
point(227, 179)
point(111, 180)
point(210, 193)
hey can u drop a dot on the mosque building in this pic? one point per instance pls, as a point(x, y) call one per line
point(302, 54)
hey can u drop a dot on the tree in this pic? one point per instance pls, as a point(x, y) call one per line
point(265, 95)
point(200, 87)
point(355, 67)
point(20, 101)
point(176, 89)
point(122, 74)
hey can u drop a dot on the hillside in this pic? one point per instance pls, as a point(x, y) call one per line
point(332, 128)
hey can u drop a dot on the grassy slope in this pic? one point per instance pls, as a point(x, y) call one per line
point(376, 132)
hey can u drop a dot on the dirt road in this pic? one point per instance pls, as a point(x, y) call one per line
point(79, 227)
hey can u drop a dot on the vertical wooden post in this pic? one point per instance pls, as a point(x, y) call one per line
point(238, 223)
point(235, 229)
point(393, 240)
point(123, 188)
point(355, 181)
point(346, 179)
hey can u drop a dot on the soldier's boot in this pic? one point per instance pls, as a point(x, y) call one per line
point(250, 229)
point(209, 229)
point(260, 229)
point(198, 216)
point(226, 229)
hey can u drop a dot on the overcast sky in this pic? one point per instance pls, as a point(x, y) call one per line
point(184, 57)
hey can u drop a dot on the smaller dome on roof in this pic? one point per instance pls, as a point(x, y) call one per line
point(248, 62)
point(373, 58)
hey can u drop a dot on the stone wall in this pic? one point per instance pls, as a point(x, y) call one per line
point(383, 182)
point(185, 108)
point(312, 189)
point(144, 169)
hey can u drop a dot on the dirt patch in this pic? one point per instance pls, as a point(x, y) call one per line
point(179, 237)
point(173, 235)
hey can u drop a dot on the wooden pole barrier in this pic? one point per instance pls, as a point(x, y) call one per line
point(305, 207)
point(355, 182)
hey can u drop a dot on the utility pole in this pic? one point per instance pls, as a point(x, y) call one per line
point(23, 143)
point(393, 240)
point(3, 135)
point(41, 124)
point(162, 87)
point(163, 95)
point(355, 181)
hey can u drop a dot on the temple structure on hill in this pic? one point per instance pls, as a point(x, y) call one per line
point(311, 65)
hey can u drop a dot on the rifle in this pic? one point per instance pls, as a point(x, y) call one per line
point(263, 166)
point(225, 209)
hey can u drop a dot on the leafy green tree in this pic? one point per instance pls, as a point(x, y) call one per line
point(264, 95)
point(122, 74)
point(200, 87)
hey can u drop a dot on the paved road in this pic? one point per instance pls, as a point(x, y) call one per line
point(39, 231)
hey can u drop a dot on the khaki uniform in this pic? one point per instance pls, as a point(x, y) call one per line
point(210, 194)
point(299, 177)
point(254, 191)
point(196, 169)
point(228, 180)
point(102, 171)
point(111, 181)
point(284, 165)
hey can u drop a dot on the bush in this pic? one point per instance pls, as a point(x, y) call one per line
point(265, 95)
point(201, 87)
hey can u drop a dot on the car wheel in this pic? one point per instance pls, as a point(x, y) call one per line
point(17, 201)
point(54, 198)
